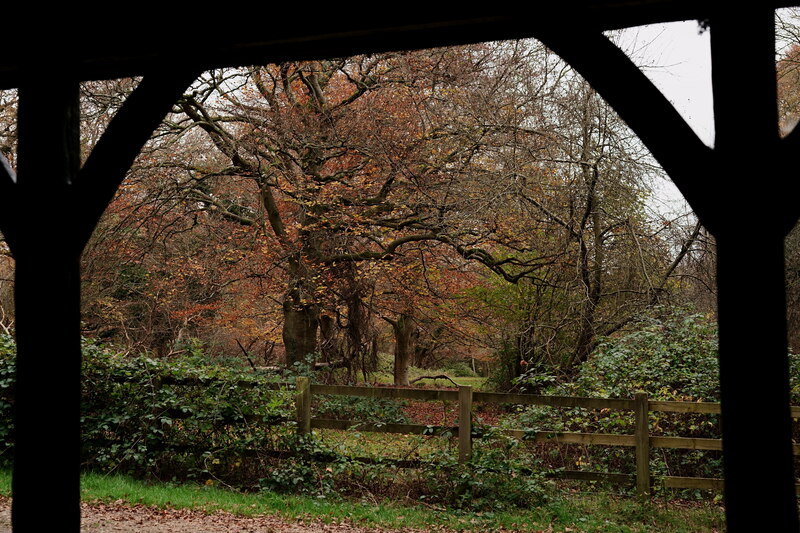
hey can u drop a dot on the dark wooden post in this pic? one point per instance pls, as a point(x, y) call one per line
point(642, 434)
point(749, 223)
point(47, 300)
point(757, 436)
point(303, 405)
point(464, 423)
point(47, 217)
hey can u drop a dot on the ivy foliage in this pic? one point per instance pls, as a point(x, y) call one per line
point(190, 420)
point(166, 419)
point(672, 355)
point(498, 476)
point(369, 410)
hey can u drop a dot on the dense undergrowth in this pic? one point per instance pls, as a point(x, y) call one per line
point(186, 420)
point(672, 356)
point(190, 420)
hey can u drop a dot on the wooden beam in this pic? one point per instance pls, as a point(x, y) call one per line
point(676, 482)
point(643, 107)
point(685, 407)
point(107, 53)
point(369, 427)
point(642, 435)
point(686, 443)
point(303, 405)
point(381, 392)
point(554, 401)
point(564, 437)
point(47, 304)
point(464, 424)
point(749, 226)
point(123, 139)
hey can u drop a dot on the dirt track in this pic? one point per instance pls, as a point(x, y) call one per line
point(108, 518)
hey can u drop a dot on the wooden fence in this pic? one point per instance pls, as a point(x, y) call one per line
point(641, 440)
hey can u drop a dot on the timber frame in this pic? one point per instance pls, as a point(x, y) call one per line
point(51, 204)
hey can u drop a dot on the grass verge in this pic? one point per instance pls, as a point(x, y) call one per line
point(571, 512)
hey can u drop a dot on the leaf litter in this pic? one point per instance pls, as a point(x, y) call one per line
point(121, 517)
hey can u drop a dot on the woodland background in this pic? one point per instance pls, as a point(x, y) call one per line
point(475, 211)
point(476, 204)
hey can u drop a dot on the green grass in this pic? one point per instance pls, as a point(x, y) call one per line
point(474, 382)
point(387, 378)
point(576, 512)
point(386, 445)
point(384, 375)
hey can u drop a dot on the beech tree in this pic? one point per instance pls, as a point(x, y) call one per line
point(303, 204)
point(347, 161)
point(304, 137)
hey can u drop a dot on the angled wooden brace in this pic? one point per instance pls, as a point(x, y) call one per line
point(641, 105)
point(129, 130)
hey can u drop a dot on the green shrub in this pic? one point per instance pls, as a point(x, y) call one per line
point(504, 375)
point(671, 355)
point(459, 369)
point(496, 477)
point(174, 418)
point(8, 351)
point(164, 419)
point(311, 468)
point(371, 410)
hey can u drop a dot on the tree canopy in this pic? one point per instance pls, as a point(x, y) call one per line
point(427, 203)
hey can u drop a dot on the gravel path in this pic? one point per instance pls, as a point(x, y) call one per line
point(108, 518)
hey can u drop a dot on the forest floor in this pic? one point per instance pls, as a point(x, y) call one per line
point(119, 517)
point(582, 513)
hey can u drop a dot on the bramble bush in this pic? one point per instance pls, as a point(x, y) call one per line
point(459, 369)
point(369, 410)
point(671, 355)
point(8, 350)
point(176, 419)
point(312, 468)
point(498, 476)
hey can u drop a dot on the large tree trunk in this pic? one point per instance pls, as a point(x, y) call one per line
point(403, 327)
point(329, 346)
point(591, 270)
point(356, 328)
point(300, 323)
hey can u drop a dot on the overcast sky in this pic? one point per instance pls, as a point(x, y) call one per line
point(677, 59)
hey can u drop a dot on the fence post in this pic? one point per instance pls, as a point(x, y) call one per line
point(303, 405)
point(642, 436)
point(464, 423)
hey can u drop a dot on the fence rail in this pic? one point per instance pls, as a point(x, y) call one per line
point(641, 440)
point(640, 406)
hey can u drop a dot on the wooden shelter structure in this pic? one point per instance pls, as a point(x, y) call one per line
point(744, 190)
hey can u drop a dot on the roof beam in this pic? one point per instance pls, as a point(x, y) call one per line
point(105, 52)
